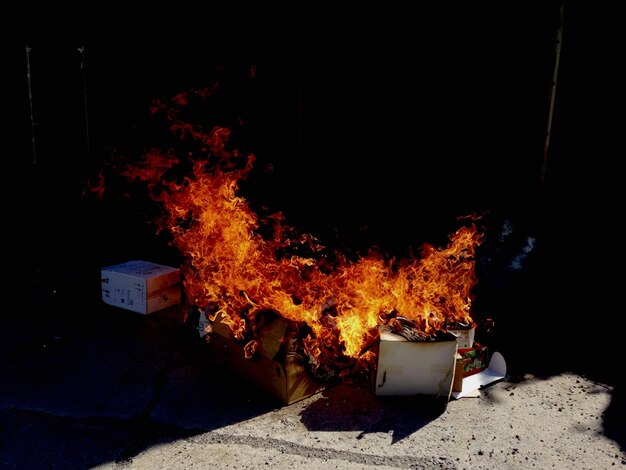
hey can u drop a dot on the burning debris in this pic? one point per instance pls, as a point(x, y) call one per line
point(242, 271)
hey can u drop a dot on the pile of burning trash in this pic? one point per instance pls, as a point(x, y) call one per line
point(264, 292)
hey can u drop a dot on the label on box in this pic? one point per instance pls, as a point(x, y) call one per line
point(474, 359)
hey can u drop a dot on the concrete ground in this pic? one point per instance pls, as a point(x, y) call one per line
point(121, 390)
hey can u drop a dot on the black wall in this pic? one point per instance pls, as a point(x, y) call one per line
point(379, 130)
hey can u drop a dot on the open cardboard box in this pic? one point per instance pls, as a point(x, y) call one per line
point(272, 369)
point(465, 336)
point(407, 368)
point(467, 385)
point(473, 360)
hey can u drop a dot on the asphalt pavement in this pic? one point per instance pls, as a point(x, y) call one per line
point(108, 388)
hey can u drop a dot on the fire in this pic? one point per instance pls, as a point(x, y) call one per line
point(234, 271)
point(97, 188)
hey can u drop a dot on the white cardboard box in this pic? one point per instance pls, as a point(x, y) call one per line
point(408, 368)
point(465, 336)
point(141, 286)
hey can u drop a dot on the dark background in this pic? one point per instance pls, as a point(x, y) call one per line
point(370, 129)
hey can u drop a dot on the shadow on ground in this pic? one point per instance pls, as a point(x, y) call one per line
point(350, 408)
point(85, 384)
point(553, 306)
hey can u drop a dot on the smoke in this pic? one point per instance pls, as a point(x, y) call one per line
point(518, 262)
point(509, 246)
point(508, 252)
point(507, 229)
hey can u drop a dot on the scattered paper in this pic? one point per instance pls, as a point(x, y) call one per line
point(495, 371)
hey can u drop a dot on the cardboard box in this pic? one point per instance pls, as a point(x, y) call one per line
point(272, 368)
point(469, 361)
point(141, 286)
point(474, 359)
point(465, 336)
point(457, 383)
point(469, 386)
point(415, 367)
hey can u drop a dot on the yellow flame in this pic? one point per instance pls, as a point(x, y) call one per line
point(228, 264)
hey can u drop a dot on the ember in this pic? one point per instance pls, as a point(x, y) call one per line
point(240, 266)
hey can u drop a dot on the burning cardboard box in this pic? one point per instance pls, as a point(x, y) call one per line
point(274, 367)
point(408, 368)
point(141, 286)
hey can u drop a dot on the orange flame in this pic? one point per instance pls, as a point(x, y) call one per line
point(231, 267)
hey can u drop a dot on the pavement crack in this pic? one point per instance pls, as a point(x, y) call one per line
point(322, 452)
